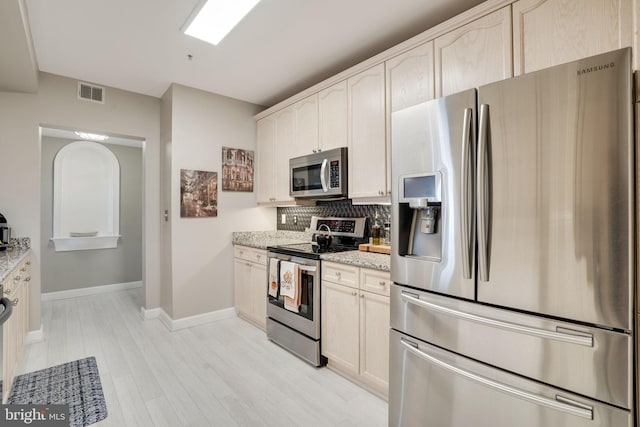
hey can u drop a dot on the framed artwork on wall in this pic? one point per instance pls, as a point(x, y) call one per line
point(237, 169)
point(198, 193)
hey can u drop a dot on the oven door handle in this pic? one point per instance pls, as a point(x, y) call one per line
point(309, 268)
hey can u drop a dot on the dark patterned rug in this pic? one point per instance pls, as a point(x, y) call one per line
point(75, 383)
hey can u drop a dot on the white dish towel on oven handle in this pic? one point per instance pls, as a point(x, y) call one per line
point(289, 285)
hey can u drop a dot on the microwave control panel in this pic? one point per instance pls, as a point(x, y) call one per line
point(334, 174)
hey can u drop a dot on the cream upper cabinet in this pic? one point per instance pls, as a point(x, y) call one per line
point(410, 78)
point(285, 131)
point(409, 81)
point(333, 116)
point(266, 143)
point(551, 32)
point(275, 135)
point(367, 134)
point(474, 54)
point(305, 139)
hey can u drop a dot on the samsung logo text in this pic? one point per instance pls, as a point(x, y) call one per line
point(595, 68)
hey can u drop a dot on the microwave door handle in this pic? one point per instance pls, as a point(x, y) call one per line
point(323, 179)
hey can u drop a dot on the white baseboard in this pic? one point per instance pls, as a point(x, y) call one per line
point(35, 336)
point(72, 293)
point(186, 322)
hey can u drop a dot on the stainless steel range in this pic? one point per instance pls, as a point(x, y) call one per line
point(293, 301)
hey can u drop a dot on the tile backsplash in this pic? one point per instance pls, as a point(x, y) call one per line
point(298, 218)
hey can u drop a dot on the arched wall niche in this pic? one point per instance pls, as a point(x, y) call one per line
point(86, 197)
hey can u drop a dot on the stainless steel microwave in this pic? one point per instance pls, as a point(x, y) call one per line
point(319, 175)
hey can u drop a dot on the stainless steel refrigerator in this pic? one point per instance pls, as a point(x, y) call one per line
point(513, 252)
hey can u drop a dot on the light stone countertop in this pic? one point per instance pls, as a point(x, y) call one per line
point(360, 259)
point(262, 239)
point(9, 259)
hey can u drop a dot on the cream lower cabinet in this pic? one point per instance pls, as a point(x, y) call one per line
point(16, 288)
point(250, 284)
point(355, 324)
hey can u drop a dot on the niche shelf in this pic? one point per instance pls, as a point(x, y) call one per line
point(86, 197)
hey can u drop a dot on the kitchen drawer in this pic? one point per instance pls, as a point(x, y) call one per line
point(13, 280)
point(341, 274)
point(246, 253)
point(594, 362)
point(433, 387)
point(376, 281)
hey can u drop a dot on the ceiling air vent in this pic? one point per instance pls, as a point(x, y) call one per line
point(90, 92)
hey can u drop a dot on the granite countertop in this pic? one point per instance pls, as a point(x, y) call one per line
point(9, 259)
point(360, 259)
point(262, 239)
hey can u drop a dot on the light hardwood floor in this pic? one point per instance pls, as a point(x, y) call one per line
point(224, 373)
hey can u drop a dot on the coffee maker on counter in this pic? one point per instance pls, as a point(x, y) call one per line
point(5, 233)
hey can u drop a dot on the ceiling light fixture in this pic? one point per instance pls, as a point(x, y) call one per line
point(92, 136)
point(212, 20)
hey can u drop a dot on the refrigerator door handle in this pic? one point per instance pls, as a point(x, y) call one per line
point(576, 337)
point(559, 404)
point(466, 217)
point(483, 257)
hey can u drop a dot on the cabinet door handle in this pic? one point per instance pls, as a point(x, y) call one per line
point(16, 279)
point(15, 302)
point(28, 262)
point(383, 283)
point(27, 279)
point(354, 293)
point(23, 269)
point(362, 296)
point(7, 291)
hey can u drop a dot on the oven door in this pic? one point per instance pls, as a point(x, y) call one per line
point(307, 319)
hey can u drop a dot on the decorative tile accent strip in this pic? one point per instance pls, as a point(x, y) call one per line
point(340, 208)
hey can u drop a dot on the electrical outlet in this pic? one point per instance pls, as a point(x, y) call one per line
point(295, 219)
point(283, 219)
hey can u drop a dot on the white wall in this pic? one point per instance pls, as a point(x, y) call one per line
point(166, 295)
point(56, 104)
point(202, 254)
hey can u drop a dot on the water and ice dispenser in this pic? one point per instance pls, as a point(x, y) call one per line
point(419, 215)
